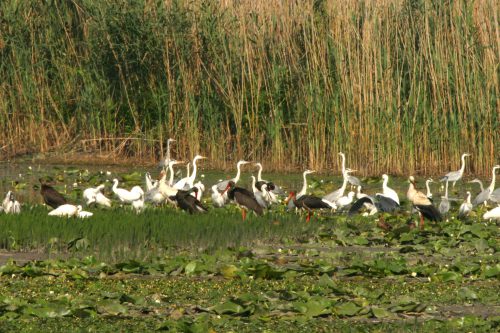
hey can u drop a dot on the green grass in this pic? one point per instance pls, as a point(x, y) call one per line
point(119, 233)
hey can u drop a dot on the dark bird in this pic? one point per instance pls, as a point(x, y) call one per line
point(422, 204)
point(50, 196)
point(378, 203)
point(309, 202)
point(243, 198)
point(188, 202)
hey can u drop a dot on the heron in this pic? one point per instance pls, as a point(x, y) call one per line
point(243, 198)
point(188, 182)
point(422, 204)
point(479, 182)
point(351, 179)
point(484, 196)
point(222, 185)
point(455, 176)
point(427, 186)
point(387, 191)
point(337, 194)
point(165, 162)
point(444, 205)
point(465, 207)
point(126, 196)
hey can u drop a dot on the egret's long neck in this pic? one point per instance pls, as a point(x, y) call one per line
point(259, 174)
point(462, 168)
point(193, 174)
point(253, 184)
point(187, 170)
point(304, 186)
point(446, 189)
point(344, 184)
point(115, 184)
point(492, 185)
point(238, 173)
point(343, 163)
point(384, 183)
point(171, 170)
point(468, 198)
point(429, 194)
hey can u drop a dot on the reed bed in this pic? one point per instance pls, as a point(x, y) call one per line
point(399, 85)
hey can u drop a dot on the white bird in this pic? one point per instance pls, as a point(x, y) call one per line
point(351, 179)
point(94, 195)
point(427, 186)
point(493, 214)
point(455, 176)
point(259, 195)
point(217, 198)
point(221, 186)
point(466, 207)
point(66, 210)
point(138, 205)
point(150, 183)
point(84, 214)
point(360, 194)
point(126, 196)
point(345, 200)
point(276, 191)
point(188, 182)
point(387, 191)
point(10, 205)
point(484, 196)
point(171, 171)
point(337, 194)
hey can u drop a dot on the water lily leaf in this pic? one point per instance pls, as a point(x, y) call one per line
point(229, 271)
point(492, 271)
point(480, 244)
point(230, 308)
point(48, 311)
point(449, 276)
point(111, 307)
point(347, 309)
point(360, 240)
point(313, 308)
point(190, 268)
point(380, 313)
point(466, 293)
point(132, 177)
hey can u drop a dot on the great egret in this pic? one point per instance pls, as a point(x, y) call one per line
point(66, 210)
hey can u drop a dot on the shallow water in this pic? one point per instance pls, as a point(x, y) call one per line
point(22, 178)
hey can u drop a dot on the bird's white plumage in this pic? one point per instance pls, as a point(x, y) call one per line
point(66, 210)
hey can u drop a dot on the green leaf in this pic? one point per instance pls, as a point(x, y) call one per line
point(380, 313)
point(190, 268)
point(229, 308)
point(111, 307)
point(229, 271)
point(466, 293)
point(347, 309)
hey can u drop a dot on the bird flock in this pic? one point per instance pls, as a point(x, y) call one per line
point(186, 194)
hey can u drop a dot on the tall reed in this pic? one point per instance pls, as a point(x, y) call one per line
point(398, 85)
